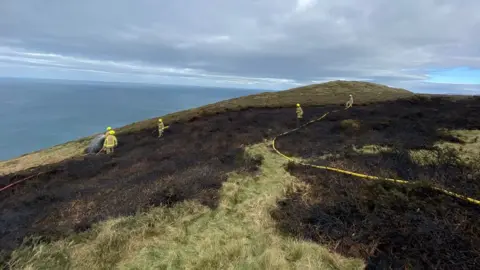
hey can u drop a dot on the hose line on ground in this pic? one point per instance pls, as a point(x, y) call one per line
point(360, 175)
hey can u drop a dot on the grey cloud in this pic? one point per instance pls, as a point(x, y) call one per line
point(393, 42)
point(438, 88)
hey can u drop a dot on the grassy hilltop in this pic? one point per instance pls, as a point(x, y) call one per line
point(212, 194)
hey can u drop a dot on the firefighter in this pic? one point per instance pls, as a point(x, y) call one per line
point(349, 102)
point(299, 115)
point(108, 131)
point(110, 142)
point(161, 127)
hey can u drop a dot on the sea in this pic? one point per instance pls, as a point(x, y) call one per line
point(37, 114)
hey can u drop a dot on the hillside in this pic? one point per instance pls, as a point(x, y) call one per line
point(212, 194)
point(335, 92)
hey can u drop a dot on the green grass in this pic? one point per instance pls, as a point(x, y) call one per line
point(467, 149)
point(372, 149)
point(239, 234)
point(44, 157)
point(350, 125)
point(469, 145)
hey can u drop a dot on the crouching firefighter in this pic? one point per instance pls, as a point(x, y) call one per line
point(299, 112)
point(110, 142)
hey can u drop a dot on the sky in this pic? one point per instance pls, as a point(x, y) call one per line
point(420, 45)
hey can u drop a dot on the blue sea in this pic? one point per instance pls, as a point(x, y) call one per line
point(36, 114)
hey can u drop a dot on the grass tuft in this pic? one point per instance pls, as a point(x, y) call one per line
point(350, 125)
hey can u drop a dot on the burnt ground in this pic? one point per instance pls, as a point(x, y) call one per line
point(390, 226)
point(193, 160)
point(190, 162)
point(402, 125)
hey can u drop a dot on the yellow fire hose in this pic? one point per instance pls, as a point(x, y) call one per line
point(360, 175)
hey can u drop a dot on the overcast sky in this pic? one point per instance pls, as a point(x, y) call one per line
point(422, 45)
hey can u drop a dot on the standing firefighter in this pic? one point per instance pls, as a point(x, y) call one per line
point(299, 115)
point(161, 127)
point(349, 102)
point(110, 142)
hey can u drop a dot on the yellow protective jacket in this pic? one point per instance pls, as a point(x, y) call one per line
point(110, 141)
point(299, 112)
point(161, 126)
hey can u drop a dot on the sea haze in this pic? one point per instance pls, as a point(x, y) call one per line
point(35, 114)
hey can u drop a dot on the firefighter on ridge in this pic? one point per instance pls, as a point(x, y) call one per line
point(110, 142)
point(349, 102)
point(299, 112)
point(161, 127)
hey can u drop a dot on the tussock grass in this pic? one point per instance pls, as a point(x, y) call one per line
point(372, 149)
point(462, 143)
point(239, 234)
point(350, 125)
point(467, 144)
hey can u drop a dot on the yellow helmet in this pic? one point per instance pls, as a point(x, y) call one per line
point(112, 132)
point(298, 104)
point(109, 128)
point(160, 120)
